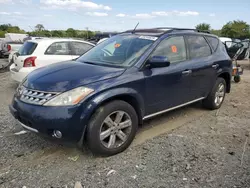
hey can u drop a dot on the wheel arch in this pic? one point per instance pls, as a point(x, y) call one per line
point(227, 77)
point(130, 99)
point(125, 94)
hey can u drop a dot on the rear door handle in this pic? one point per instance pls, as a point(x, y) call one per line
point(187, 72)
point(215, 66)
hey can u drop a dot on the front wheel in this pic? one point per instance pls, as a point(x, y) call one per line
point(112, 128)
point(216, 97)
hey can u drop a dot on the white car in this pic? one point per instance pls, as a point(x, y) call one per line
point(100, 41)
point(42, 52)
point(14, 49)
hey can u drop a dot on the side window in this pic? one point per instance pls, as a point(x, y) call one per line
point(173, 48)
point(58, 48)
point(79, 48)
point(213, 42)
point(198, 47)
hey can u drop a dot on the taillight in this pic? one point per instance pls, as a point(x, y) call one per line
point(29, 62)
point(9, 47)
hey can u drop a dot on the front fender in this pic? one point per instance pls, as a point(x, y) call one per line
point(90, 107)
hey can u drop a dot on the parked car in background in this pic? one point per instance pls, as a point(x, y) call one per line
point(8, 47)
point(104, 95)
point(11, 42)
point(237, 46)
point(11, 57)
point(14, 47)
point(99, 37)
point(43, 52)
point(102, 40)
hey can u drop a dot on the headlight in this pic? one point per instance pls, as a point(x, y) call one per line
point(69, 98)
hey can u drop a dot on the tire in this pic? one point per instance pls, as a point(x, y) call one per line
point(210, 101)
point(237, 79)
point(97, 126)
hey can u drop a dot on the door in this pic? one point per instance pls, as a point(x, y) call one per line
point(234, 49)
point(56, 52)
point(203, 65)
point(169, 86)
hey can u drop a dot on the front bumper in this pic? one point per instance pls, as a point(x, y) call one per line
point(40, 119)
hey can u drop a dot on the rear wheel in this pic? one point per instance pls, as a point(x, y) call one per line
point(216, 97)
point(112, 128)
point(237, 79)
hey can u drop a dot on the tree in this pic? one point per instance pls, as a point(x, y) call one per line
point(57, 33)
point(5, 27)
point(2, 34)
point(15, 29)
point(46, 33)
point(236, 29)
point(203, 27)
point(216, 32)
point(71, 32)
point(39, 27)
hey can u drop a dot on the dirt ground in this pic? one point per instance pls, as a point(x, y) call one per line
point(190, 148)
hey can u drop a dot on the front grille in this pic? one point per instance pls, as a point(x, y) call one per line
point(35, 97)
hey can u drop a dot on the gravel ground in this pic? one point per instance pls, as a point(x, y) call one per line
point(204, 149)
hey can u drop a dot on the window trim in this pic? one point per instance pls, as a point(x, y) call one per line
point(166, 38)
point(214, 50)
point(68, 43)
point(189, 53)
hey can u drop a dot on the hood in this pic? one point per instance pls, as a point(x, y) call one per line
point(64, 76)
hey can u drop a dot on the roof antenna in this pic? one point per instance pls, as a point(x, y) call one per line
point(135, 28)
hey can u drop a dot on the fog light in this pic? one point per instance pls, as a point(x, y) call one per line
point(57, 134)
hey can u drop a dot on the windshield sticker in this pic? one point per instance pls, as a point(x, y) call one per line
point(117, 45)
point(148, 38)
point(174, 49)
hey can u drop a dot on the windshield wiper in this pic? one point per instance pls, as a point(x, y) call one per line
point(92, 63)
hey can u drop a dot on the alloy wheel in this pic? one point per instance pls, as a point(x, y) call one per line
point(115, 129)
point(220, 94)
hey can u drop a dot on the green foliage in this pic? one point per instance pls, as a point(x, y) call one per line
point(71, 32)
point(203, 27)
point(8, 28)
point(236, 29)
point(2, 34)
point(216, 32)
point(5, 27)
point(58, 33)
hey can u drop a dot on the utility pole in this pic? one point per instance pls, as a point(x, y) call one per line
point(87, 32)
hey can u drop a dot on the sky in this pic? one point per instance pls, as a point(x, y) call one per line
point(120, 15)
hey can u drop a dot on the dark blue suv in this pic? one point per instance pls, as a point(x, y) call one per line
point(104, 95)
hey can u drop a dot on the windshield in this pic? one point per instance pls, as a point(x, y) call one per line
point(120, 50)
point(27, 48)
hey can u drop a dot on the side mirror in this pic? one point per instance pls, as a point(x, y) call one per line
point(158, 62)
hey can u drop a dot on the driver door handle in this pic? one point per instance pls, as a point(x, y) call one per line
point(187, 72)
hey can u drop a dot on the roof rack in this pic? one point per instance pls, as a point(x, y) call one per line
point(182, 29)
point(164, 30)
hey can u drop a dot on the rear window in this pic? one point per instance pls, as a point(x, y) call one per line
point(198, 47)
point(27, 48)
point(213, 42)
